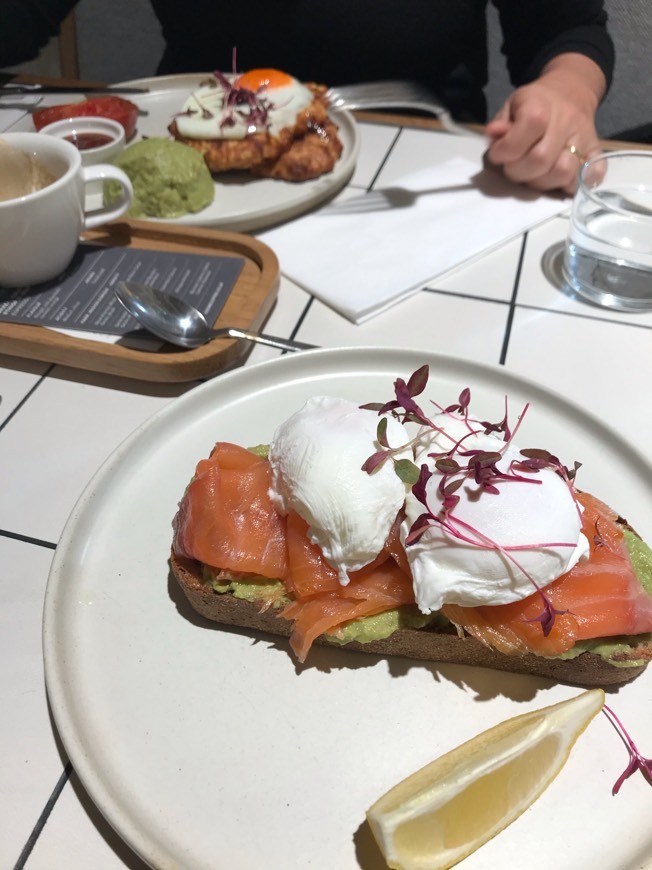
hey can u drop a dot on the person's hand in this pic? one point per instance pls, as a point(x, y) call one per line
point(546, 130)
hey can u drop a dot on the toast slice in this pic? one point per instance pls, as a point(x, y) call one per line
point(430, 643)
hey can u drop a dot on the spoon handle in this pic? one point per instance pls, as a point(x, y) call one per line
point(270, 340)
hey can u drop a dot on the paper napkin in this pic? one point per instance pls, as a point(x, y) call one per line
point(364, 254)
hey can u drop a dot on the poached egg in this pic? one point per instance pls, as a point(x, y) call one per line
point(539, 516)
point(491, 548)
point(316, 458)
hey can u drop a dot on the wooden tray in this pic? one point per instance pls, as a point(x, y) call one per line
point(247, 306)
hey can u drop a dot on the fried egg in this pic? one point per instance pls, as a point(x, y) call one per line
point(260, 100)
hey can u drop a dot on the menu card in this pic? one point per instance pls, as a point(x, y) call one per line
point(82, 298)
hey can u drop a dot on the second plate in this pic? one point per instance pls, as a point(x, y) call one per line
point(243, 203)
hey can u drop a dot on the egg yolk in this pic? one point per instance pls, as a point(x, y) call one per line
point(255, 79)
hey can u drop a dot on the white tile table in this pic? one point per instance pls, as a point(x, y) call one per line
point(58, 425)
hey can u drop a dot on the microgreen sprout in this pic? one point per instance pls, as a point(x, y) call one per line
point(404, 468)
point(405, 394)
point(409, 412)
point(239, 105)
point(636, 760)
point(243, 104)
point(536, 459)
point(598, 540)
point(503, 426)
point(459, 465)
point(462, 404)
point(467, 534)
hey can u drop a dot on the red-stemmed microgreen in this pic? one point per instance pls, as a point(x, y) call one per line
point(243, 104)
point(462, 404)
point(459, 465)
point(636, 759)
point(404, 409)
point(239, 105)
point(502, 426)
point(465, 533)
point(404, 468)
point(405, 393)
point(598, 540)
point(536, 459)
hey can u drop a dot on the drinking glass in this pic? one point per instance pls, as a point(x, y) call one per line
point(608, 256)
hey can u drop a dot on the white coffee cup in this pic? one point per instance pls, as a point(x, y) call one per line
point(39, 232)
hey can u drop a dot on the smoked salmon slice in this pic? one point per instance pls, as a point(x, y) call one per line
point(226, 518)
point(601, 597)
point(309, 574)
point(321, 603)
point(227, 521)
point(371, 591)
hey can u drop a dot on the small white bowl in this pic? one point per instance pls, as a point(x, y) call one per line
point(99, 140)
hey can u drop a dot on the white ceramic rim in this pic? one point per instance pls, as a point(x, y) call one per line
point(90, 123)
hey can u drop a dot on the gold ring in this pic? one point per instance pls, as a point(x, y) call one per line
point(577, 153)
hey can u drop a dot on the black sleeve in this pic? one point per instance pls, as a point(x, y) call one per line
point(27, 25)
point(537, 30)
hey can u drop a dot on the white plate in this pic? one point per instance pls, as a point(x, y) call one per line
point(241, 203)
point(207, 748)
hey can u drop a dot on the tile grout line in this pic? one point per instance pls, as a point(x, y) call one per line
point(26, 397)
point(42, 819)
point(527, 306)
point(512, 302)
point(385, 159)
point(302, 317)
point(457, 295)
point(26, 539)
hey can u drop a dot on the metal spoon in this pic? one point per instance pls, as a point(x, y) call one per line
point(180, 323)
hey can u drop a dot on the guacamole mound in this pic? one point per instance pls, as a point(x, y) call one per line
point(169, 179)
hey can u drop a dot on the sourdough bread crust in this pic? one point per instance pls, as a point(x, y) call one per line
point(426, 644)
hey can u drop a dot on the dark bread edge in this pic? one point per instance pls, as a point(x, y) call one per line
point(426, 644)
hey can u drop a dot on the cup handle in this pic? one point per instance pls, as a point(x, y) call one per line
point(105, 172)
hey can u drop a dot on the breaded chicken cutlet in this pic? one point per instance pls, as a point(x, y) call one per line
point(305, 149)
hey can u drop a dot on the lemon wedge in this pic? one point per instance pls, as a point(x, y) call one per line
point(443, 812)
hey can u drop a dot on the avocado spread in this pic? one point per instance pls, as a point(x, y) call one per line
point(641, 558)
point(262, 589)
point(381, 625)
point(364, 630)
point(608, 647)
point(169, 179)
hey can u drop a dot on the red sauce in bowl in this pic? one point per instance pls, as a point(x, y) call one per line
point(84, 141)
